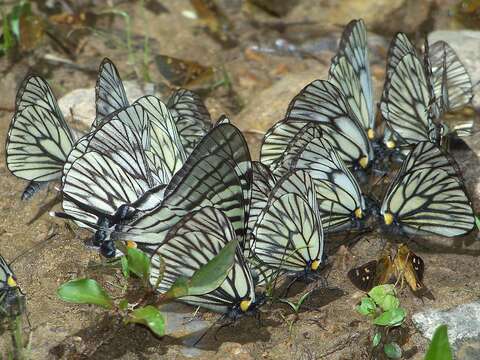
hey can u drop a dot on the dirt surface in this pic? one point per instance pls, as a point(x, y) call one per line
point(49, 252)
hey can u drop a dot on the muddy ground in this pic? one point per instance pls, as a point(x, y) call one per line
point(50, 253)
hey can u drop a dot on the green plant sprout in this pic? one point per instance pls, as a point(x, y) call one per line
point(383, 308)
point(439, 348)
point(204, 280)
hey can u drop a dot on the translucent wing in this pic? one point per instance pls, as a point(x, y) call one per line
point(288, 233)
point(36, 91)
point(38, 143)
point(426, 197)
point(99, 185)
point(196, 239)
point(350, 72)
point(322, 102)
point(110, 94)
point(340, 200)
point(277, 139)
point(451, 81)
point(399, 47)
point(164, 138)
point(406, 100)
point(262, 185)
point(228, 142)
point(191, 117)
point(211, 181)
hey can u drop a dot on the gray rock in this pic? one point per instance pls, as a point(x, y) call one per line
point(466, 44)
point(463, 324)
point(79, 104)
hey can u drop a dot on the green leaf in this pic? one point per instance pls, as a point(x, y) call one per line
point(477, 221)
point(376, 339)
point(178, 289)
point(367, 306)
point(85, 291)
point(378, 293)
point(302, 299)
point(393, 351)
point(138, 263)
point(125, 270)
point(389, 302)
point(149, 316)
point(208, 278)
point(392, 317)
point(213, 274)
point(439, 348)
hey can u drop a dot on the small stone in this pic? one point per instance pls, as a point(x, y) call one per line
point(80, 103)
point(463, 323)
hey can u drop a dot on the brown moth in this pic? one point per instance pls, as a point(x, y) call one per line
point(404, 266)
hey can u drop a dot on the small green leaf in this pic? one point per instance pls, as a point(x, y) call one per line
point(302, 299)
point(367, 307)
point(125, 270)
point(178, 289)
point(123, 304)
point(477, 221)
point(138, 263)
point(376, 339)
point(213, 274)
point(149, 316)
point(84, 291)
point(289, 303)
point(393, 351)
point(379, 292)
point(392, 317)
point(389, 302)
point(439, 348)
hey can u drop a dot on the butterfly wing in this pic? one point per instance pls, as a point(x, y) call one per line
point(211, 181)
point(339, 196)
point(451, 81)
point(405, 103)
point(110, 95)
point(322, 102)
point(189, 245)
point(423, 199)
point(38, 143)
point(262, 184)
point(288, 234)
point(350, 72)
point(165, 141)
point(191, 117)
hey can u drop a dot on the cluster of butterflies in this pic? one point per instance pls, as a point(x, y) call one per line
point(163, 176)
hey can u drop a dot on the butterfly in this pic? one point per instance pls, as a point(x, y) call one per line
point(10, 294)
point(427, 196)
point(404, 266)
point(189, 245)
point(288, 233)
point(418, 92)
point(39, 141)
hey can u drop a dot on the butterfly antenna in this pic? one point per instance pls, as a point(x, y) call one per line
point(208, 330)
point(36, 246)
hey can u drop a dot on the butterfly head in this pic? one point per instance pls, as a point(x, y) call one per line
point(11, 282)
point(371, 134)
point(358, 213)
point(388, 218)
point(363, 162)
point(245, 304)
point(315, 265)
